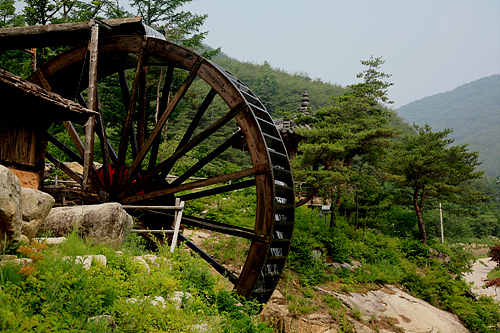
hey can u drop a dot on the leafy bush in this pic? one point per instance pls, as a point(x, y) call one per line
point(57, 295)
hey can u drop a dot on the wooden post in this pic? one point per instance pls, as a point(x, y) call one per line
point(177, 223)
point(88, 158)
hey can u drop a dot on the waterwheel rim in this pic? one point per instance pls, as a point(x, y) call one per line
point(271, 172)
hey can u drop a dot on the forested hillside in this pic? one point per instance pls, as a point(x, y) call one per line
point(277, 89)
point(472, 110)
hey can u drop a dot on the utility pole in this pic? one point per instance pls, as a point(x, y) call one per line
point(441, 218)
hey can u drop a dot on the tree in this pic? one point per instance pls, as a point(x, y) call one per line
point(182, 27)
point(428, 168)
point(347, 137)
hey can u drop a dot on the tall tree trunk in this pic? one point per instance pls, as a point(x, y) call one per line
point(419, 209)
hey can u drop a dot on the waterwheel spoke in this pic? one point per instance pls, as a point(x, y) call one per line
point(208, 158)
point(218, 190)
point(70, 128)
point(193, 125)
point(141, 120)
point(165, 97)
point(214, 263)
point(122, 76)
point(76, 177)
point(156, 131)
point(107, 150)
point(122, 152)
point(196, 120)
point(65, 149)
point(168, 163)
point(198, 184)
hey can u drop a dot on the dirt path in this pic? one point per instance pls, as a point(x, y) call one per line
point(481, 269)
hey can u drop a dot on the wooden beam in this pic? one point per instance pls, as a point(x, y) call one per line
point(165, 97)
point(208, 158)
point(199, 184)
point(196, 120)
point(122, 151)
point(88, 157)
point(218, 190)
point(64, 168)
point(141, 120)
point(168, 163)
point(65, 149)
point(156, 131)
point(63, 34)
point(70, 128)
point(122, 76)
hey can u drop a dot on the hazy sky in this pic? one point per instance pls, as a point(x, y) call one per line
point(429, 46)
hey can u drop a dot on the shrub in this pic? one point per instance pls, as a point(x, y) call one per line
point(495, 254)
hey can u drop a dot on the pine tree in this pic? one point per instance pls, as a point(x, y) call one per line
point(346, 137)
point(429, 168)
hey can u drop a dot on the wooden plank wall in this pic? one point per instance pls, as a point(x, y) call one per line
point(18, 143)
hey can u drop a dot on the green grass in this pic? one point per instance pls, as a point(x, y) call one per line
point(494, 274)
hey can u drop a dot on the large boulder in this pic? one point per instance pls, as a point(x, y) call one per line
point(35, 206)
point(405, 311)
point(106, 223)
point(10, 212)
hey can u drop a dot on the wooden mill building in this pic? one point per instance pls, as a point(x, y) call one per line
point(27, 112)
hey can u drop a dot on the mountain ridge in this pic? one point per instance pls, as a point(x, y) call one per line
point(472, 110)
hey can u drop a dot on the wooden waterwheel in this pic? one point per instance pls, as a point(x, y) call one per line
point(115, 47)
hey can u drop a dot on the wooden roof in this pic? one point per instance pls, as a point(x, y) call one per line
point(27, 101)
point(16, 38)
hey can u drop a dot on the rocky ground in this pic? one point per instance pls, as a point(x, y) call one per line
point(383, 309)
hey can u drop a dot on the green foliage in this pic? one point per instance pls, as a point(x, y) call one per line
point(384, 259)
point(346, 141)
point(429, 169)
point(59, 295)
point(277, 89)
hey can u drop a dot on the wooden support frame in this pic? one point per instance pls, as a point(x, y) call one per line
point(88, 158)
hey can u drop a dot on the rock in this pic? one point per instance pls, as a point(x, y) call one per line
point(21, 262)
point(317, 253)
point(410, 313)
point(10, 208)
point(86, 261)
point(441, 256)
point(52, 240)
point(197, 237)
point(103, 321)
point(7, 257)
point(24, 239)
point(200, 328)
point(35, 206)
point(180, 297)
point(101, 259)
point(140, 260)
point(106, 223)
point(277, 294)
point(155, 301)
point(349, 266)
